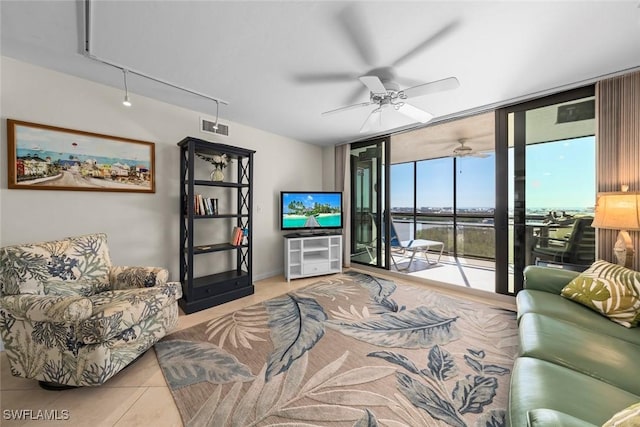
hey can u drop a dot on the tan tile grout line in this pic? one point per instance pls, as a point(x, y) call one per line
point(131, 406)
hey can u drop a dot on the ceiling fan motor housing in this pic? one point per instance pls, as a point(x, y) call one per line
point(393, 93)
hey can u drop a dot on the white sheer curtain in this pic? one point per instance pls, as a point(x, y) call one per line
point(618, 152)
point(343, 183)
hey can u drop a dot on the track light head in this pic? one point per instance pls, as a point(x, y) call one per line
point(215, 125)
point(126, 101)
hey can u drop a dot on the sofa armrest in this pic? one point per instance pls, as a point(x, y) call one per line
point(547, 279)
point(551, 418)
point(124, 277)
point(44, 308)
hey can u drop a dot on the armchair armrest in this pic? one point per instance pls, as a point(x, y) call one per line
point(124, 277)
point(547, 279)
point(44, 308)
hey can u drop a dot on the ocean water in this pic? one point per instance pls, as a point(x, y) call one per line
point(325, 220)
point(43, 154)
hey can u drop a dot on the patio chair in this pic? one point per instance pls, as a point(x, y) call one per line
point(413, 246)
point(578, 247)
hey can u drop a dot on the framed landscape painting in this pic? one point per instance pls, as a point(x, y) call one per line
point(45, 157)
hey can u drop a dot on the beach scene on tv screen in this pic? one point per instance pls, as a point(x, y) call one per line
point(310, 210)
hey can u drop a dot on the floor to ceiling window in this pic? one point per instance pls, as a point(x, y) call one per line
point(452, 202)
point(500, 191)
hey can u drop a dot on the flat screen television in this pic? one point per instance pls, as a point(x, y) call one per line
point(311, 211)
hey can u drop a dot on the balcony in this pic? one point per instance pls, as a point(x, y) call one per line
point(474, 244)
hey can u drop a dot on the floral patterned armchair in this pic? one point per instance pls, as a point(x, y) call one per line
point(70, 318)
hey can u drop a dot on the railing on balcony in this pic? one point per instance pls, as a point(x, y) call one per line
point(465, 235)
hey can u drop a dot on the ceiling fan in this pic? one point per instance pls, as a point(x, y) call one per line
point(385, 92)
point(465, 151)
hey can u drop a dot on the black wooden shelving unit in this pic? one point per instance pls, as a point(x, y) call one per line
point(213, 289)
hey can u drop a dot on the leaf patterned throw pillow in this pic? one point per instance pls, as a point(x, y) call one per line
point(610, 289)
point(628, 417)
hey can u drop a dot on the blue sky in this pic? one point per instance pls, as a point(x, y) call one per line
point(560, 174)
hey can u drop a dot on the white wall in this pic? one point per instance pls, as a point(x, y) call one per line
point(328, 173)
point(143, 229)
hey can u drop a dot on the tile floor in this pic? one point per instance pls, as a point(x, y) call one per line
point(138, 395)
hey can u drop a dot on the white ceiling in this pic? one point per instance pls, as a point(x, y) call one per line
point(263, 57)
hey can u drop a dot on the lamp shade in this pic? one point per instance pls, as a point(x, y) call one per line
point(617, 211)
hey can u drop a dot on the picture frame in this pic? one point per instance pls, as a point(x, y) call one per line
point(43, 157)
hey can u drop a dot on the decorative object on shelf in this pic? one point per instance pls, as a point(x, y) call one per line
point(219, 162)
point(619, 211)
point(43, 157)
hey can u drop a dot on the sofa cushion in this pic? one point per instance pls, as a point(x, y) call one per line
point(539, 384)
point(569, 345)
point(24, 269)
point(116, 312)
point(628, 417)
point(550, 418)
point(547, 279)
point(552, 305)
point(609, 289)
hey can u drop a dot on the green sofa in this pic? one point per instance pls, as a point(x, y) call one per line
point(576, 367)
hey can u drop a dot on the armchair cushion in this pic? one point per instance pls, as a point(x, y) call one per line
point(609, 289)
point(121, 277)
point(40, 308)
point(116, 312)
point(24, 269)
point(83, 288)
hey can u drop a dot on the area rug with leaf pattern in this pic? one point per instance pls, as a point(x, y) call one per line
point(349, 350)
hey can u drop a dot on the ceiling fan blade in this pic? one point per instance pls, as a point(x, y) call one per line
point(355, 28)
point(414, 113)
point(347, 108)
point(373, 83)
point(408, 81)
point(325, 77)
point(373, 122)
point(358, 93)
point(431, 87)
point(432, 39)
point(480, 155)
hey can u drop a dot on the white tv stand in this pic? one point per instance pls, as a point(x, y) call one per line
point(313, 255)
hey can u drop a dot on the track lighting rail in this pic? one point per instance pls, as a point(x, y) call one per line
point(87, 52)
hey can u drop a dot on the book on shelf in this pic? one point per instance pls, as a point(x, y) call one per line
point(201, 204)
point(236, 236)
point(205, 205)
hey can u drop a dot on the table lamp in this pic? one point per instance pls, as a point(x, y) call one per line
point(619, 211)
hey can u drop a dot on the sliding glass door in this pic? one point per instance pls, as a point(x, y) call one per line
point(369, 195)
point(546, 184)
